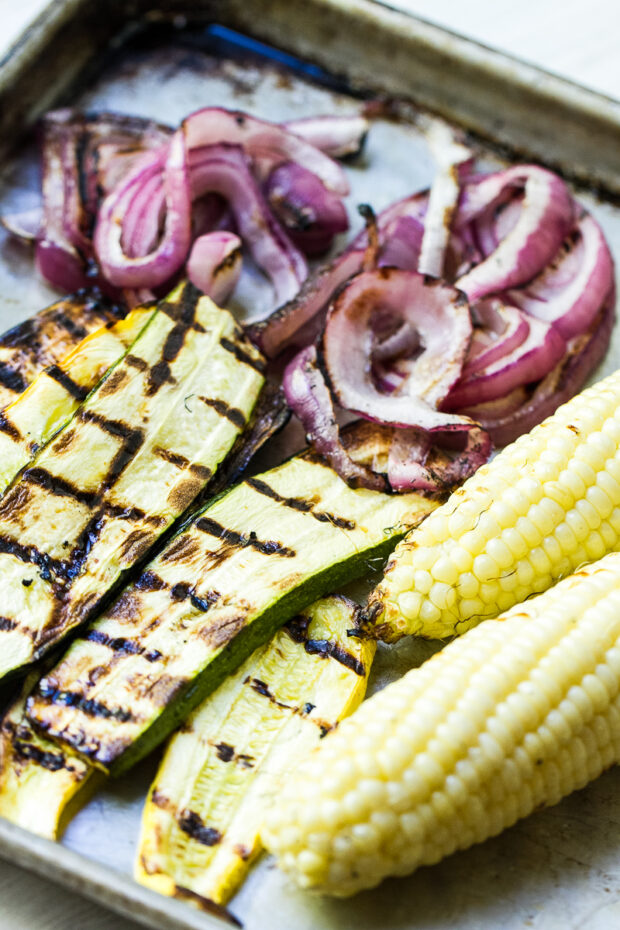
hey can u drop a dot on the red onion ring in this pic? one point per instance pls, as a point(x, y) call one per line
point(223, 169)
point(440, 315)
point(165, 260)
point(311, 214)
point(308, 396)
point(519, 412)
point(544, 222)
point(267, 144)
point(336, 136)
point(415, 464)
point(498, 330)
point(214, 264)
point(569, 292)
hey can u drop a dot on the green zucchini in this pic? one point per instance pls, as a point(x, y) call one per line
point(47, 337)
point(245, 564)
point(131, 460)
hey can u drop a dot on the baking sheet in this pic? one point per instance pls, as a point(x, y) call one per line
point(559, 869)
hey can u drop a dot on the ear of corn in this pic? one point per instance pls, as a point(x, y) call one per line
point(545, 505)
point(128, 463)
point(47, 337)
point(55, 394)
point(220, 773)
point(41, 785)
point(515, 714)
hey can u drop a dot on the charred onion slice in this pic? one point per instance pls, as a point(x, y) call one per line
point(506, 419)
point(267, 144)
point(415, 463)
point(159, 265)
point(224, 170)
point(308, 396)
point(214, 265)
point(570, 291)
point(311, 214)
point(543, 222)
point(376, 304)
point(337, 136)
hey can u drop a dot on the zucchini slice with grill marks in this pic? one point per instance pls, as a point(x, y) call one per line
point(56, 392)
point(221, 772)
point(47, 337)
point(245, 564)
point(42, 785)
point(129, 462)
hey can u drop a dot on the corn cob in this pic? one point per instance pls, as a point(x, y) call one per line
point(514, 715)
point(41, 785)
point(219, 774)
point(47, 337)
point(545, 505)
point(55, 394)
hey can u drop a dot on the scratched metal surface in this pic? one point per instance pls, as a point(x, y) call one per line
point(559, 869)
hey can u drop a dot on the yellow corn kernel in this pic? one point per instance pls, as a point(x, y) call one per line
point(560, 508)
point(512, 716)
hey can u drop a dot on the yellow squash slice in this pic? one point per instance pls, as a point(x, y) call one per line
point(221, 772)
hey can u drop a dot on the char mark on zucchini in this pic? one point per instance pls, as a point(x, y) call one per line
point(240, 541)
point(236, 416)
point(302, 504)
point(242, 356)
point(297, 629)
point(191, 823)
point(56, 373)
point(9, 428)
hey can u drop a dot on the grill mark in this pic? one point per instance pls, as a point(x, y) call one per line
point(233, 414)
point(262, 688)
point(227, 753)
point(256, 363)
point(113, 382)
point(136, 362)
point(70, 326)
point(9, 428)
point(192, 823)
point(88, 706)
point(238, 541)
point(71, 387)
point(131, 441)
point(149, 581)
point(7, 624)
point(59, 487)
point(175, 458)
point(121, 645)
point(180, 550)
point(205, 904)
point(184, 589)
point(200, 471)
point(183, 313)
point(297, 629)
point(28, 752)
point(31, 556)
point(12, 379)
point(158, 375)
point(301, 504)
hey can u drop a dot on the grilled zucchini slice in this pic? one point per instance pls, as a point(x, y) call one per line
point(128, 463)
point(244, 565)
point(47, 337)
point(221, 772)
point(41, 785)
point(55, 394)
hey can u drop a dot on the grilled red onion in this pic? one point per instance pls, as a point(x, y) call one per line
point(337, 136)
point(267, 144)
point(308, 395)
point(544, 222)
point(214, 264)
point(164, 261)
point(570, 291)
point(371, 303)
point(414, 463)
point(498, 330)
point(311, 214)
point(520, 411)
point(223, 169)
point(24, 225)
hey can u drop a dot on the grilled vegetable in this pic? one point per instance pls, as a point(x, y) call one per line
point(41, 785)
point(55, 394)
point(546, 504)
point(246, 563)
point(514, 715)
point(46, 338)
point(131, 460)
point(220, 773)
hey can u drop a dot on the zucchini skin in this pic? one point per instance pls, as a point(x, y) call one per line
point(222, 771)
point(47, 337)
point(247, 562)
point(129, 462)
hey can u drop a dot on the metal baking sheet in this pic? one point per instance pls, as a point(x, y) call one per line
point(559, 869)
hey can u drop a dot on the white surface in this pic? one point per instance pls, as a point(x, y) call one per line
point(576, 40)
